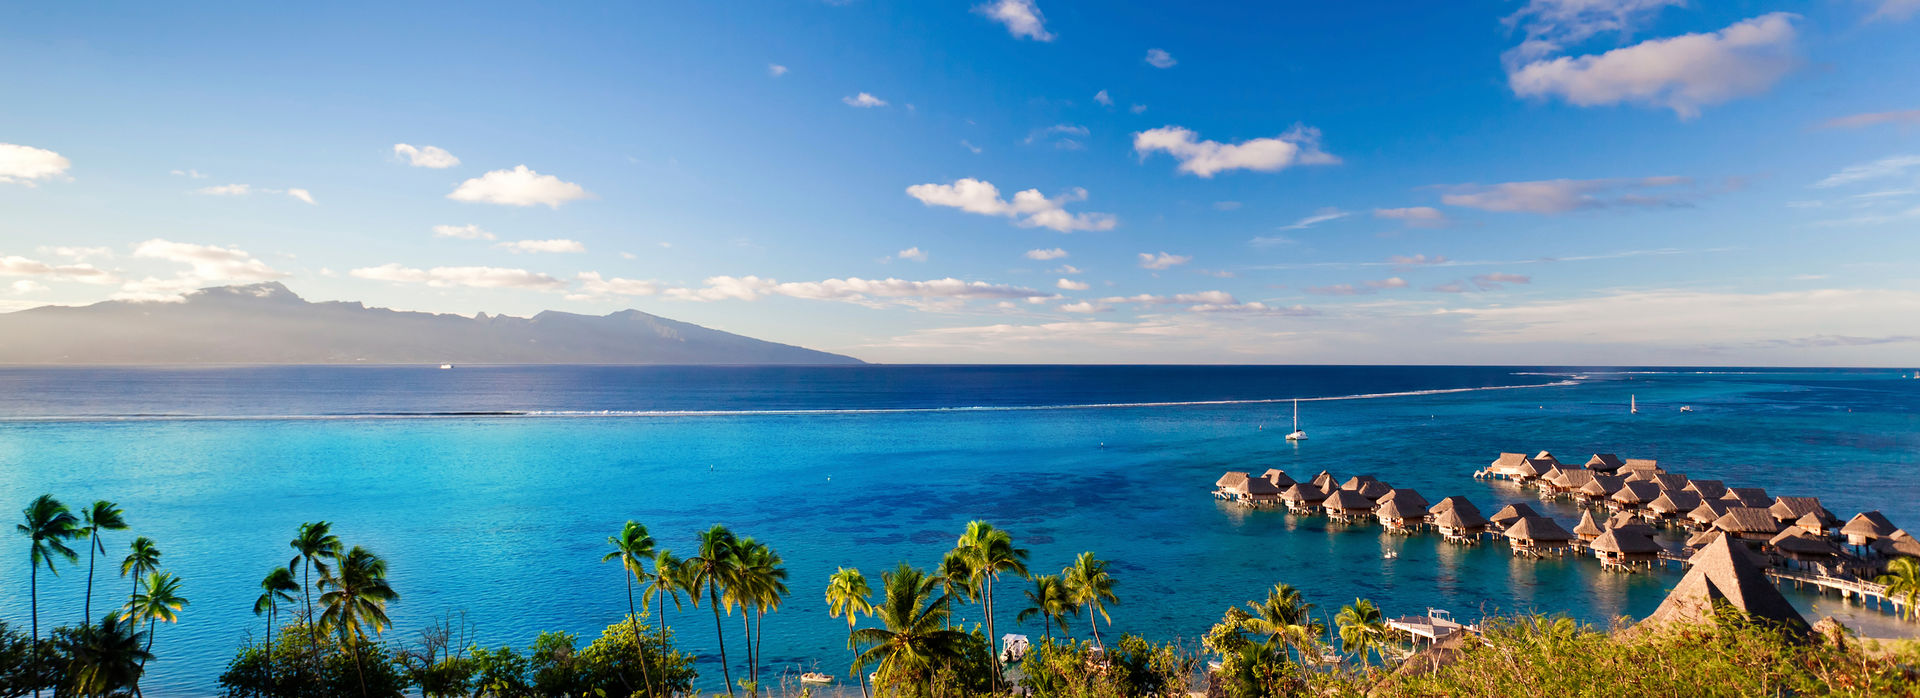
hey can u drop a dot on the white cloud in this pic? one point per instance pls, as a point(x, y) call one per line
point(1419, 260)
point(1029, 208)
point(532, 246)
point(1022, 17)
point(913, 253)
point(1071, 285)
point(1365, 287)
point(1160, 59)
point(1162, 260)
point(1907, 117)
point(518, 187)
point(864, 101)
point(1067, 269)
point(1254, 308)
point(1202, 297)
point(473, 277)
point(302, 195)
point(209, 262)
point(27, 165)
point(226, 190)
point(1883, 168)
point(1494, 280)
point(1682, 73)
point(969, 146)
point(1085, 307)
point(1102, 98)
point(27, 286)
point(868, 292)
point(775, 70)
point(593, 286)
point(1044, 255)
point(1318, 217)
point(189, 174)
point(1553, 24)
point(1298, 146)
point(82, 272)
point(78, 253)
point(1067, 131)
point(1894, 10)
point(1566, 195)
point(425, 156)
point(1417, 216)
point(463, 232)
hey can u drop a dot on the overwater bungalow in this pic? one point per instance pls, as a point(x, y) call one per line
point(1605, 463)
point(1278, 477)
point(1326, 481)
point(1511, 513)
point(1701, 539)
point(1900, 544)
point(1347, 505)
point(1813, 523)
point(1708, 512)
point(1670, 482)
point(1303, 498)
point(1569, 481)
point(1405, 511)
point(1368, 487)
point(1747, 497)
point(1460, 523)
point(1867, 527)
point(1633, 496)
point(1261, 491)
point(1707, 489)
point(1602, 487)
point(1231, 486)
point(1800, 546)
point(1747, 523)
point(1507, 466)
point(1588, 529)
point(1537, 535)
point(1674, 505)
point(1791, 509)
point(1544, 461)
point(1632, 464)
point(1625, 549)
point(1448, 503)
point(1628, 521)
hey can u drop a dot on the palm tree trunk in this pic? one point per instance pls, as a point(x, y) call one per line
point(313, 628)
point(33, 591)
point(354, 647)
point(759, 629)
point(143, 660)
point(857, 676)
point(1093, 621)
point(746, 622)
point(639, 643)
point(991, 637)
point(713, 597)
point(93, 544)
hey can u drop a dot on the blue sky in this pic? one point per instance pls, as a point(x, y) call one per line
point(1550, 181)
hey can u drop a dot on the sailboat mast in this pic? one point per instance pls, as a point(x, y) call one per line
point(1296, 414)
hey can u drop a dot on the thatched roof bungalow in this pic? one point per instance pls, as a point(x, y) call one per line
point(1701, 539)
point(1508, 465)
point(1633, 464)
point(1672, 504)
point(1747, 497)
point(1627, 521)
point(1279, 478)
point(1602, 487)
point(1747, 523)
point(1707, 489)
point(1535, 534)
point(1303, 498)
point(1368, 487)
point(1231, 486)
point(1634, 495)
point(1900, 544)
point(1588, 529)
point(1801, 546)
point(1670, 482)
point(1724, 573)
point(1460, 522)
point(1814, 524)
point(1448, 503)
point(1708, 512)
point(1347, 505)
point(1604, 462)
point(1792, 509)
point(1867, 527)
point(1406, 509)
point(1510, 513)
point(1569, 480)
point(1326, 481)
point(1261, 491)
point(1619, 547)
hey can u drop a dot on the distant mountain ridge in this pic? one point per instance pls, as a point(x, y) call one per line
point(266, 323)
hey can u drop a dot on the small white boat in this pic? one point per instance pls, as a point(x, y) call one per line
point(1686, 408)
point(1633, 404)
point(1297, 434)
point(815, 677)
point(446, 367)
point(1390, 555)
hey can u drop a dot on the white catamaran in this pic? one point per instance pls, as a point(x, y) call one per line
point(1297, 434)
point(1633, 404)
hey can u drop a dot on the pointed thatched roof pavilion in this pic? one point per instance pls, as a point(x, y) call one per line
point(1511, 512)
point(1707, 489)
point(1326, 481)
point(1347, 505)
point(1278, 477)
point(1724, 573)
point(1537, 534)
point(1673, 504)
point(1749, 523)
point(1588, 529)
point(1867, 527)
point(1604, 462)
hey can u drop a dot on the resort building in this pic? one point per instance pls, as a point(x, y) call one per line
point(1633, 496)
point(1799, 546)
point(1460, 524)
point(1448, 503)
point(1747, 497)
point(1708, 512)
point(1707, 489)
point(1627, 521)
point(1511, 513)
point(1568, 482)
point(1672, 505)
point(1865, 528)
point(1605, 463)
point(1347, 505)
point(1303, 498)
point(1588, 529)
point(1326, 481)
point(1368, 486)
point(1625, 549)
point(1401, 510)
point(1602, 488)
point(1900, 544)
point(1635, 464)
point(1670, 482)
point(1536, 536)
point(1747, 523)
point(1792, 509)
point(1279, 478)
point(1231, 486)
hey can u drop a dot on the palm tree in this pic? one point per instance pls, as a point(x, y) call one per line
point(1362, 628)
point(632, 546)
point(1285, 615)
point(49, 525)
point(1089, 585)
point(357, 601)
point(160, 600)
point(848, 595)
point(143, 558)
point(278, 587)
point(762, 580)
point(1050, 600)
point(957, 581)
point(914, 638)
point(105, 659)
point(1903, 582)
point(664, 582)
point(313, 546)
point(103, 514)
point(711, 571)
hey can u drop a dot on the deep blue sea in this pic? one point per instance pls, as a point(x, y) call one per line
point(491, 490)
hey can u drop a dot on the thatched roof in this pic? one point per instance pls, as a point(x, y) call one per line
point(1460, 518)
point(1723, 572)
point(1551, 473)
point(1707, 489)
point(1636, 493)
point(1603, 486)
point(1673, 503)
point(1278, 477)
point(1358, 481)
point(1641, 464)
point(1448, 503)
point(1701, 539)
point(1626, 542)
point(1872, 524)
point(1404, 508)
point(1537, 529)
point(1792, 508)
point(1373, 490)
point(1801, 543)
point(1672, 482)
point(1507, 462)
point(1325, 480)
point(1815, 523)
point(1748, 520)
point(1640, 475)
point(1510, 512)
point(1406, 496)
point(1573, 479)
point(1587, 528)
point(1259, 486)
point(1347, 500)
point(1232, 481)
point(1897, 545)
point(1748, 497)
point(1303, 493)
point(1606, 462)
point(1708, 512)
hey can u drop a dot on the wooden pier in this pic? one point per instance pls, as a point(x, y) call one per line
point(1848, 588)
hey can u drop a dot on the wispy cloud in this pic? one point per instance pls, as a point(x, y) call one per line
point(1204, 158)
point(1557, 196)
point(1160, 59)
point(1162, 260)
point(1047, 254)
point(1021, 17)
point(471, 277)
point(1364, 288)
point(425, 156)
point(1321, 216)
point(864, 101)
point(775, 70)
point(463, 232)
point(1884, 168)
point(1029, 208)
point(532, 246)
point(1910, 117)
point(1416, 216)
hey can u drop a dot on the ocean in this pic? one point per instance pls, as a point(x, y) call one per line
point(491, 490)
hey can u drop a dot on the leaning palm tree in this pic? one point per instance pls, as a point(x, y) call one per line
point(1049, 600)
point(1362, 628)
point(914, 638)
point(276, 588)
point(313, 546)
point(356, 601)
point(49, 526)
point(158, 601)
point(663, 583)
point(103, 514)
point(1090, 585)
point(143, 558)
point(105, 659)
point(1284, 615)
point(957, 581)
point(848, 595)
point(1903, 583)
point(632, 546)
point(711, 571)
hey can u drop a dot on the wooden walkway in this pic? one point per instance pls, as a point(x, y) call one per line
point(1848, 588)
